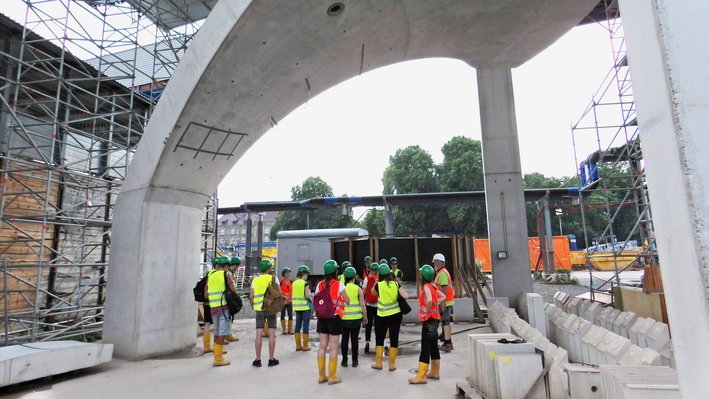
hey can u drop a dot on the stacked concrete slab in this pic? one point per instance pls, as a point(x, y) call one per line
point(623, 382)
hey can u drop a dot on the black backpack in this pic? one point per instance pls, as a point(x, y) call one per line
point(198, 289)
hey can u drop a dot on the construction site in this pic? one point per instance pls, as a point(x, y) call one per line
point(112, 147)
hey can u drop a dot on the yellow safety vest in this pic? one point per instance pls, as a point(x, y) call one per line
point(388, 294)
point(260, 284)
point(300, 302)
point(216, 285)
point(353, 311)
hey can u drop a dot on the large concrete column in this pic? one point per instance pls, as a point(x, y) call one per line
point(670, 73)
point(506, 217)
point(150, 309)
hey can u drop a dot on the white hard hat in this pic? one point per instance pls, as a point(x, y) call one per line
point(439, 257)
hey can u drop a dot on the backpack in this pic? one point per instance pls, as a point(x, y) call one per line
point(324, 306)
point(273, 299)
point(198, 290)
point(233, 300)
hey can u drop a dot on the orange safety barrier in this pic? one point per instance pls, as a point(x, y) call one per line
point(562, 253)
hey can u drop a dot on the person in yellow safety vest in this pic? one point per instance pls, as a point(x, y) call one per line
point(233, 265)
point(389, 316)
point(287, 290)
point(355, 314)
point(396, 273)
point(444, 283)
point(301, 306)
point(343, 267)
point(330, 329)
point(430, 300)
point(256, 294)
point(370, 299)
point(207, 332)
point(219, 281)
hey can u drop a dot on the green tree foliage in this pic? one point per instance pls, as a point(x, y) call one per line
point(374, 222)
point(326, 218)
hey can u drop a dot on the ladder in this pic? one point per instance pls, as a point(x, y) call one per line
point(240, 277)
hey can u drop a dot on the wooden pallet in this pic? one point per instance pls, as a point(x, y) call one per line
point(465, 390)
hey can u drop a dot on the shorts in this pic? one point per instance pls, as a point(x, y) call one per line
point(222, 324)
point(261, 320)
point(447, 316)
point(331, 326)
point(207, 314)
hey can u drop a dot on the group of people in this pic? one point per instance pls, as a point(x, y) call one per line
point(371, 300)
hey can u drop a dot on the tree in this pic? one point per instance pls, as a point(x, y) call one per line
point(326, 218)
point(374, 222)
point(462, 170)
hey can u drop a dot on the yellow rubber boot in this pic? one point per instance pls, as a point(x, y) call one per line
point(290, 326)
point(435, 373)
point(298, 345)
point(333, 379)
point(321, 370)
point(392, 358)
point(207, 341)
point(306, 342)
point(219, 356)
point(420, 375)
point(231, 338)
point(378, 355)
point(283, 327)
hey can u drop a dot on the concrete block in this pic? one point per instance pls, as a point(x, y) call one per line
point(556, 357)
point(592, 311)
point(20, 363)
point(658, 337)
point(556, 324)
point(639, 330)
point(504, 301)
point(564, 331)
point(515, 374)
point(413, 316)
point(584, 381)
point(534, 304)
point(635, 382)
point(487, 352)
point(577, 330)
point(649, 357)
point(590, 342)
point(602, 315)
point(464, 310)
point(572, 306)
point(549, 313)
point(585, 303)
point(473, 358)
point(519, 327)
point(607, 323)
point(667, 357)
point(560, 299)
point(612, 347)
point(622, 323)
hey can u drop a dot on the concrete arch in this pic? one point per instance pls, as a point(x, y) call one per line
point(251, 64)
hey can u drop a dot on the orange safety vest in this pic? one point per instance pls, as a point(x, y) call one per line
point(450, 293)
point(335, 295)
point(287, 290)
point(433, 310)
point(369, 295)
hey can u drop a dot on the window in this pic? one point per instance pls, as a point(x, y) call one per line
point(233, 231)
point(221, 231)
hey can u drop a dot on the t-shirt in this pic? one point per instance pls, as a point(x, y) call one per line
point(339, 290)
point(443, 279)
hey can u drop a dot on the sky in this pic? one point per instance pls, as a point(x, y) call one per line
point(346, 134)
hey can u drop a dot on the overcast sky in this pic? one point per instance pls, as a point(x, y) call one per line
point(347, 134)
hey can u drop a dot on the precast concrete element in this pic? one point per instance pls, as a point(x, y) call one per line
point(560, 299)
point(639, 382)
point(576, 331)
point(573, 305)
point(592, 312)
point(584, 381)
point(622, 323)
point(474, 358)
point(669, 84)
point(639, 329)
point(658, 337)
point(464, 309)
point(250, 65)
point(515, 373)
point(20, 363)
point(533, 311)
point(590, 342)
point(487, 352)
point(549, 313)
point(607, 322)
point(612, 348)
point(413, 315)
point(637, 356)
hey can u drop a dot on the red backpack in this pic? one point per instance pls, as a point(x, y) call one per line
point(324, 306)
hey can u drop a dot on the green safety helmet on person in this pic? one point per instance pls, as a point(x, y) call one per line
point(374, 267)
point(393, 260)
point(236, 261)
point(264, 265)
point(350, 272)
point(330, 267)
point(215, 261)
point(427, 272)
point(224, 260)
point(384, 270)
point(346, 264)
point(383, 262)
point(304, 269)
point(367, 258)
point(285, 270)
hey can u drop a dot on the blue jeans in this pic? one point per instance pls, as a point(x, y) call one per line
point(302, 319)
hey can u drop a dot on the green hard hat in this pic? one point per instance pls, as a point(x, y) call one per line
point(346, 264)
point(367, 258)
point(224, 260)
point(330, 267)
point(303, 269)
point(215, 260)
point(285, 270)
point(374, 267)
point(236, 260)
point(383, 262)
point(427, 272)
point(350, 272)
point(265, 265)
point(384, 270)
point(393, 259)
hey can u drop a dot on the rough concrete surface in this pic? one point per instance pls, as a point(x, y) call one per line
point(191, 374)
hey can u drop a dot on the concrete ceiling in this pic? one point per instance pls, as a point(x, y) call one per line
point(254, 62)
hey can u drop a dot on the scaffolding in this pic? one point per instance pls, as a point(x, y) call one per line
point(607, 152)
point(79, 79)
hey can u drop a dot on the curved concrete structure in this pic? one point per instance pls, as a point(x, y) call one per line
point(251, 64)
